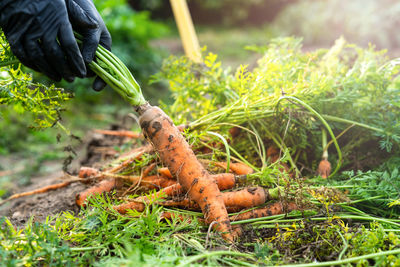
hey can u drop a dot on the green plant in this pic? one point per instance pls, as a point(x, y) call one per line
point(19, 91)
point(35, 244)
point(285, 100)
point(375, 190)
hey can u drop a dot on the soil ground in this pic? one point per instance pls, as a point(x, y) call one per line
point(42, 205)
point(95, 150)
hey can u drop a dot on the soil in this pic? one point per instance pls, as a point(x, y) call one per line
point(42, 205)
point(97, 149)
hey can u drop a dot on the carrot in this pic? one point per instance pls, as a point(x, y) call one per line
point(166, 215)
point(272, 209)
point(136, 204)
point(234, 201)
point(175, 153)
point(148, 169)
point(165, 171)
point(237, 168)
point(234, 131)
point(156, 182)
point(131, 157)
point(324, 168)
point(38, 191)
point(273, 153)
point(245, 198)
point(122, 133)
point(224, 181)
point(86, 172)
point(99, 188)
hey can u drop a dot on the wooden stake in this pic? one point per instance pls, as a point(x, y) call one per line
point(186, 30)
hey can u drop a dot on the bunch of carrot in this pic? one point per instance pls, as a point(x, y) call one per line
point(171, 193)
point(165, 138)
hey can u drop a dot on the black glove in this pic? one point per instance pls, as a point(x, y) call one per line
point(81, 12)
point(33, 27)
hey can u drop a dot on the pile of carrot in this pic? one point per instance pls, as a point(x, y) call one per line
point(185, 183)
point(192, 178)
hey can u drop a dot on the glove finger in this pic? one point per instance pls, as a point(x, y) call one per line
point(19, 51)
point(36, 55)
point(98, 84)
point(71, 50)
point(90, 73)
point(79, 18)
point(90, 43)
point(55, 57)
point(105, 40)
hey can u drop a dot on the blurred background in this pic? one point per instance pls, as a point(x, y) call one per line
point(144, 33)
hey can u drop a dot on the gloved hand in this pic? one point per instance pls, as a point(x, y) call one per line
point(41, 36)
point(86, 20)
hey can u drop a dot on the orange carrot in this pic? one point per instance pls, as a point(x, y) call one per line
point(136, 204)
point(272, 209)
point(99, 188)
point(156, 182)
point(131, 157)
point(166, 215)
point(234, 201)
point(122, 133)
point(38, 191)
point(148, 169)
point(224, 181)
point(164, 171)
point(273, 153)
point(86, 172)
point(324, 168)
point(176, 154)
point(237, 168)
point(245, 198)
point(234, 131)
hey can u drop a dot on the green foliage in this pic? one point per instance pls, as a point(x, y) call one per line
point(19, 91)
point(119, 239)
point(375, 239)
point(334, 240)
point(321, 22)
point(131, 32)
point(36, 244)
point(377, 189)
point(346, 85)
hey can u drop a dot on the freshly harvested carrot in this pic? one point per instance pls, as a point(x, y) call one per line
point(237, 168)
point(99, 188)
point(224, 181)
point(324, 168)
point(165, 171)
point(235, 200)
point(273, 153)
point(234, 131)
point(148, 182)
point(122, 133)
point(272, 209)
point(5, 173)
point(148, 169)
point(136, 204)
point(131, 157)
point(176, 154)
point(246, 198)
point(38, 191)
point(156, 182)
point(166, 215)
point(86, 172)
